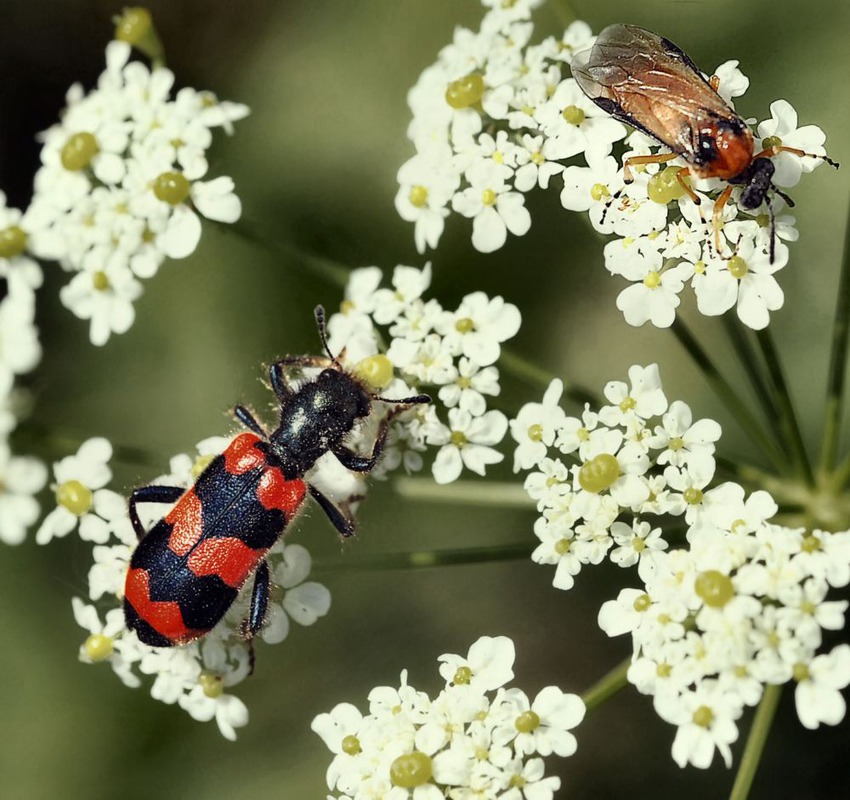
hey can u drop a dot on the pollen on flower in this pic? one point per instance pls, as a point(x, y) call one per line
point(13, 241)
point(74, 496)
point(573, 115)
point(171, 187)
point(79, 150)
point(527, 722)
point(211, 683)
point(99, 647)
point(737, 266)
point(466, 91)
point(599, 473)
point(411, 770)
point(418, 196)
point(715, 588)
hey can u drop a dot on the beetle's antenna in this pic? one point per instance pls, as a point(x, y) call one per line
point(319, 313)
point(772, 232)
point(405, 401)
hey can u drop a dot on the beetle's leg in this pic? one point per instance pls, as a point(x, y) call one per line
point(657, 158)
point(151, 494)
point(717, 215)
point(769, 152)
point(247, 419)
point(358, 463)
point(339, 515)
point(257, 613)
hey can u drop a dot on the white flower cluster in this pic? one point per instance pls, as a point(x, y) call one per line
point(463, 744)
point(743, 605)
point(619, 463)
point(121, 186)
point(197, 676)
point(452, 351)
point(21, 477)
point(495, 117)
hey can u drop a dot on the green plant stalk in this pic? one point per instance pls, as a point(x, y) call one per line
point(521, 368)
point(836, 380)
point(755, 742)
point(607, 686)
point(724, 390)
point(788, 416)
point(477, 493)
point(420, 559)
point(754, 370)
point(323, 268)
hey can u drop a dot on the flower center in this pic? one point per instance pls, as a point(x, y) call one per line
point(715, 588)
point(527, 722)
point(462, 677)
point(171, 187)
point(458, 439)
point(693, 496)
point(642, 603)
point(100, 281)
point(78, 151)
point(598, 191)
point(211, 683)
point(375, 371)
point(418, 196)
point(466, 91)
point(599, 473)
point(535, 432)
point(410, 771)
point(573, 115)
point(771, 141)
point(13, 241)
point(98, 647)
point(704, 717)
point(351, 745)
point(627, 404)
point(664, 186)
point(465, 325)
point(737, 266)
point(489, 197)
point(652, 280)
point(75, 497)
point(562, 547)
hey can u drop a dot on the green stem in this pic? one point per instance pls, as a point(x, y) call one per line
point(754, 370)
point(324, 268)
point(755, 742)
point(837, 364)
point(564, 12)
point(428, 558)
point(607, 686)
point(482, 493)
point(788, 417)
point(521, 368)
point(724, 390)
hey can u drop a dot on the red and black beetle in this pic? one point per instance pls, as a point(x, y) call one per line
point(188, 569)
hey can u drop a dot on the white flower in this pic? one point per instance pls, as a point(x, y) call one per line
point(535, 427)
point(488, 664)
point(479, 326)
point(782, 125)
point(818, 696)
point(21, 477)
point(79, 481)
point(105, 297)
point(467, 441)
point(706, 721)
point(426, 185)
point(303, 602)
point(494, 209)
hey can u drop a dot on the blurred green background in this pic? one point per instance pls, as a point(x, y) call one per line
point(315, 166)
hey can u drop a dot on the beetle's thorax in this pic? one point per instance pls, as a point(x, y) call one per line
point(315, 420)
